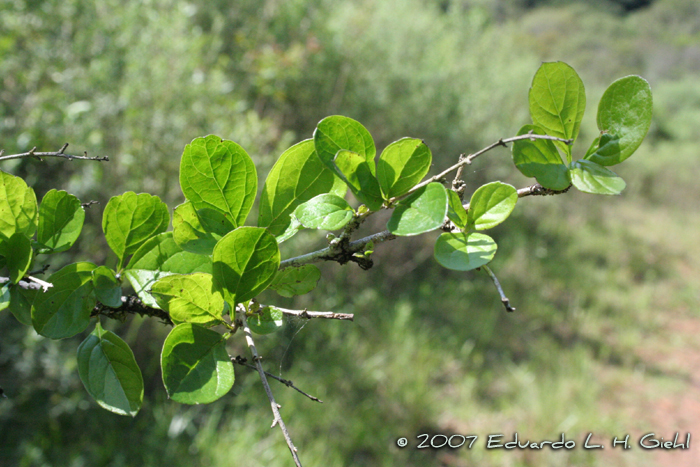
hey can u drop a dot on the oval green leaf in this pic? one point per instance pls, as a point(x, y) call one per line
point(245, 263)
point(337, 132)
point(17, 251)
point(298, 176)
point(296, 281)
point(18, 208)
point(328, 212)
point(402, 165)
point(464, 252)
point(219, 174)
point(539, 158)
point(267, 320)
point(196, 367)
point(159, 257)
point(456, 212)
point(491, 204)
point(21, 304)
point(189, 298)
point(64, 309)
point(422, 211)
point(557, 102)
point(109, 371)
point(61, 219)
point(108, 290)
point(590, 177)
point(624, 118)
point(358, 174)
point(130, 219)
point(189, 233)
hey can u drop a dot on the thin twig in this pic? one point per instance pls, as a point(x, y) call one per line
point(40, 271)
point(89, 203)
point(277, 420)
point(315, 314)
point(468, 159)
point(44, 285)
point(59, 153)
point(242, 361)
point(504, 299)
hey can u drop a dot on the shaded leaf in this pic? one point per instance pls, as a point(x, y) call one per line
point(189, 298)
point(129, 220)
point(18, 253)
point(196, 367)
point(267, 320)
point(21, 304)
point(298, 176)
point(108, 290)
point(296, 281)
point(464, 252)
point(220, 175)
point(590, 177)
point(109, 371)
point(294, 227)
point(422, 211)
point(402, 165)
point(328, 212)
point(491, 204)
point(64, 310)
point(61, 219)
point(189, 233)
point(624, 118)
point(245, 263)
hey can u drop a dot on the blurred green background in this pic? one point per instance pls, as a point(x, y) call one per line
point(605, 337)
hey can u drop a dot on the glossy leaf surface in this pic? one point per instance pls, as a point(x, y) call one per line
point(328, 212)
point(402, 165)
point(464, 252)
point(491, 204)
point(422, 211)
point(590, 177)
point(337, 132)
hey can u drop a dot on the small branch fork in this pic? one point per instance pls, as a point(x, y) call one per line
point(277, 420)
point(243, 362)
point(60, 153)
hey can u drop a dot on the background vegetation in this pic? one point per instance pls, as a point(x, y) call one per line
point(600, 283)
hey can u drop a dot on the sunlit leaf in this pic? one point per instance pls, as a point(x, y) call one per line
point(245, 263)
point(110, 373)
point(539, 158)
point(491, 204)
point(60, 221)
point(358, 174)
point(422, 211)
point(18, 209)
point(268, 319)
point(402, 165)
point(219, 174)
point(296, 177)
point(328, 212)
point(296, 281)
point(337, 132)
point(590, 177)
point(189, 298)
point(196, 367)
point(455, 211)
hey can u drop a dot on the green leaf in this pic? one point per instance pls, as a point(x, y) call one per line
point(21, 304)
point(18, 253)
point(294, 227)
point(266, 320)
point(337, 132)
point(358, 174)
point(296, 281)
point(108, 290)
point(159, 257)
point(219, 174)
point(540, 159)
point(491, 204)
point(455, 210)
point(188, 232)
point(18, 209)
point(245, 263)
point(328, 212)
point(5, 296)
point(557, 102)
point(422, 211)
point(402, 165)
point(129, 220)
point(64, 310)
point(624, 118)
point(189, 298)
point(109, 371)
point(60, 221)
point(590, 177)
point(464, 252)
point(196, 367)
point(298, 176)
